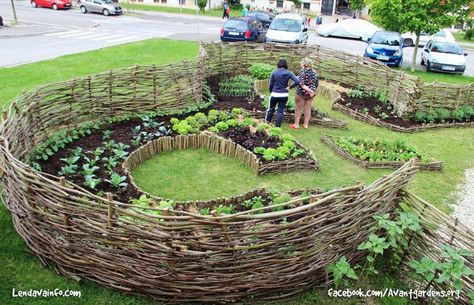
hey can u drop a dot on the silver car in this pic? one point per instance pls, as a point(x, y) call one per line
point(106, 7)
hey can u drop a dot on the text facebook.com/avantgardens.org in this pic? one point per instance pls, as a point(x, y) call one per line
point(411, 294)
point(45, 293)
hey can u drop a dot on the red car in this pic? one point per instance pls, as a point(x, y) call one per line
point(54, 4)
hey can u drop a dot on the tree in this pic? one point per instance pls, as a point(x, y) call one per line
point(357, 6)
point(417, 16)
point(202, 5)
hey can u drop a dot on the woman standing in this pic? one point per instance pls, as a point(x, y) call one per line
point(309, 81)
point(278, 86)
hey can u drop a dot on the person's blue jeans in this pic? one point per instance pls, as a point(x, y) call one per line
point(274, 101)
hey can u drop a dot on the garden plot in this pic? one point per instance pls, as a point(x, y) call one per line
point(375, 108)
point(372, 153)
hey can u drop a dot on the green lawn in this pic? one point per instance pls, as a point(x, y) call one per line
point(159, 51)
point(168, 9)
point(441, 77)
point(22, 270)
point(459, 36)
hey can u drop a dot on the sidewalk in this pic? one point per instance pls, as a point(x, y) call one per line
point(24, 30)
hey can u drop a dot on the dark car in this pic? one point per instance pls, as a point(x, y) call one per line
point(243, 29)
point(264, 17)
point(386, 47)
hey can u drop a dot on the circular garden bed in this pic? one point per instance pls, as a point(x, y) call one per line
point(66, 175)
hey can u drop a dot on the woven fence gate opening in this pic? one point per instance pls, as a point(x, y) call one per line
point(179, 256)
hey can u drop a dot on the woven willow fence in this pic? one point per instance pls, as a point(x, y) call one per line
point(407, 93)
point(178, 256)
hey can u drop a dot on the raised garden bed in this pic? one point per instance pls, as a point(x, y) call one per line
point(374, 108)
point(254, 104)
point(378, 154)
point(91, 155)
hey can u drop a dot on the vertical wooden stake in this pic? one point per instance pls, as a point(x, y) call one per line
point(110, 199)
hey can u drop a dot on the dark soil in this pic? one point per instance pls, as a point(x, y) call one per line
point(122, 133)
point(249, 140)
point(371, 105)
point(229, 102)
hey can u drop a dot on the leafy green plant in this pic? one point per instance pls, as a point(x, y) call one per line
point(375, 150)
point(205, 211)
point(117, 181)
point(260, 70)
point(376, 245)
point(279, 199)
point(254, 203)
point(110, 163)
point(449, 271)
point(225, 209)
point(88, 170)
point(106, 134)
point(92, 182)
point(276, 132)
point(109, 144)
point(342, 271)
point(240, 85)
point(222, 126)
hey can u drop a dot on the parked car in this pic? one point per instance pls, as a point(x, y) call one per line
point(106, 7)
point(54, 4)
point(348, 28)
point(288, 28)
point(243, 29)
point(386, 47)
point(410, 38)
point(443, 56)
point(264, 17)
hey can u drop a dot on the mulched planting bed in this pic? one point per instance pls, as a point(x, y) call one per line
point(99, 155)
point(372, 111)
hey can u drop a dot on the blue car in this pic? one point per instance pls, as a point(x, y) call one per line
point(243, 29)
point(386, 47)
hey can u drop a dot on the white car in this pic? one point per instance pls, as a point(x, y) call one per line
point(442, 56)
point(410, 38)
point(349, 28)
point(288, 28)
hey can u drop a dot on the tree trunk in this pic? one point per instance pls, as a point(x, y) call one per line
point(413, 61)
point(14, 13)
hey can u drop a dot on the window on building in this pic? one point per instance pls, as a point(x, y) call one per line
point(156, 1)
point(279, 3)
point(182, 2)
point(306, 5)
point(164, 1)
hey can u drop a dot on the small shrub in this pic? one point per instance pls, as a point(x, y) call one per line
point(443, 114)
point(260, 70)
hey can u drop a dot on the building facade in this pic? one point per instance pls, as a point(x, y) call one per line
point(190, 4)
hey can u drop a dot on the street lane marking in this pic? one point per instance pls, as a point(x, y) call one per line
point(108, 37)
point(89, 36)
point(62, 33)
point(129, 38)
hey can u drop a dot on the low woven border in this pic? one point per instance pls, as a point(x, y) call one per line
point(338, 105)
point(432, 166)
point(223, 147)
point(290, 118)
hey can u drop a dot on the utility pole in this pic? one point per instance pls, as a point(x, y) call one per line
point(14, 13)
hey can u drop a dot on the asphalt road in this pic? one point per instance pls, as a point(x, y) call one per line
point(70, 31)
